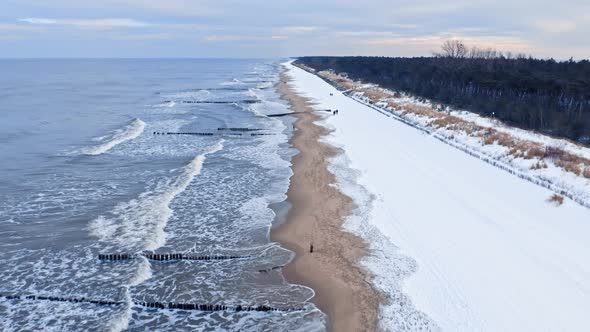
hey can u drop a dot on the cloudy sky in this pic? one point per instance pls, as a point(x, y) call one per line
point(267, 28)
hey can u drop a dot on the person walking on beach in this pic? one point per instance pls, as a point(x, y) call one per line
point(311, 248)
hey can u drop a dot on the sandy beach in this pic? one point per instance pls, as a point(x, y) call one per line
point(342, 288)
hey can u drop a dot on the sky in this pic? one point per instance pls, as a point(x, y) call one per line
point(281, 28)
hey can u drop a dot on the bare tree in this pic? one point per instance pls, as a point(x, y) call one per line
point(453, 49)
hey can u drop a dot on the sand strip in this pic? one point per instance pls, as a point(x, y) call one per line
point(342, 288)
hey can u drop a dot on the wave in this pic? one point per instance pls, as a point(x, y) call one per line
point(131, 131)
point(229, 88)
point(143, 272)
point(167, 103)
point(140, 223)
point(200, 94)
point(234, 81)
point(121, 323)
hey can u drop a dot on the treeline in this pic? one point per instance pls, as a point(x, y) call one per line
point(545, 95)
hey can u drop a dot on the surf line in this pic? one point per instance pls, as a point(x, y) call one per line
point(292, 113)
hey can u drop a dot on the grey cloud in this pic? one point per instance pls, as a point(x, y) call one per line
point(288, 27)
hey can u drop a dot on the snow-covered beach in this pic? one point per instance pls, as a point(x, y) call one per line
point(471, 246)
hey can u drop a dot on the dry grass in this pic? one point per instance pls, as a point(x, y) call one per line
point(340, 81)
point(535, 151)
point(518, 148)
point(488, 140)
point(375, 94)
point(571, 162)
point(443, 121)
point(556, 199)
point(394, 105)
point(420, 111)
point(539, 165)
point(454, 123)
point(569, 166)
point(523, 149)
point(572, 158)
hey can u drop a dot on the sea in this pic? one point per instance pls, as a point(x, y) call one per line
point(107, 165)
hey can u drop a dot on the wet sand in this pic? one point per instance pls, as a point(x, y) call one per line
point(342, 288)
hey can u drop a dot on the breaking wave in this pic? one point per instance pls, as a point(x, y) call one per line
point(140, 222)
point(131, 131)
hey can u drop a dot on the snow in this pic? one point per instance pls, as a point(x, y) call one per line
point(522, 134)
point(490, 253)
point(556, 178)
point(548, 172)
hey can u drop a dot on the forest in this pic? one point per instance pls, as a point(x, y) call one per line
point(549, 96)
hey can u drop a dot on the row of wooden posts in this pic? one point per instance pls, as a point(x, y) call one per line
point(167, 257)
point(156, 305)
point(207, 134)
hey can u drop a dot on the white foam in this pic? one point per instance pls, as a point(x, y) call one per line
point(131, 131)
point(234, 81)
point(202, 94)
point(142, 221)
point(143, 273)
point(169, 104)
point(121, 323)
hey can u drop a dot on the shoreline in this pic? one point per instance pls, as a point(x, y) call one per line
point(317, 213)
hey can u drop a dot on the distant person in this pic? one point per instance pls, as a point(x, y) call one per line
point(311, 248)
